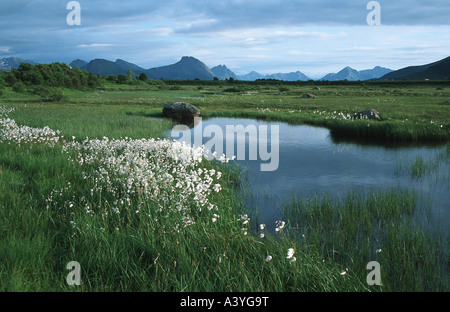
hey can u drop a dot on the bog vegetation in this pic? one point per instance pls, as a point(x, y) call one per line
point(86, 176)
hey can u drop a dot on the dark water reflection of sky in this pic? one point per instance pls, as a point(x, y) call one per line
point(310, 164)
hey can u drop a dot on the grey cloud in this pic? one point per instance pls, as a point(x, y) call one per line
point(119, 29)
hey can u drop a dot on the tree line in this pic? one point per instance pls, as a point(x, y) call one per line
point(52, 75)
point(47, 80)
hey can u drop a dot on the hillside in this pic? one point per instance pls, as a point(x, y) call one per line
point(439, 70)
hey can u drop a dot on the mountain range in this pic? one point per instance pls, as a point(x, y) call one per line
point(190, 68)
point(294, 76)
point(105, 67)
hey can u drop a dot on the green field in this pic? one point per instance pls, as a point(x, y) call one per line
point(76, 198)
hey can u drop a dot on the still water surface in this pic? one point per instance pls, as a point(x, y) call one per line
point(311, 163)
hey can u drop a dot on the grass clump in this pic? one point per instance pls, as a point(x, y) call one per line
point(382, 226)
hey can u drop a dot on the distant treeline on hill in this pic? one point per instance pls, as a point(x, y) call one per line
point(51, 75)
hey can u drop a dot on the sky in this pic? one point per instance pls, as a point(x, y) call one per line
point(314, 37)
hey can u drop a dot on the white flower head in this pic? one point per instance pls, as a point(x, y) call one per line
point(344, 272)
point(290, 253)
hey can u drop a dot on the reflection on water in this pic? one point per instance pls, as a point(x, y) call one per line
point(310, 164)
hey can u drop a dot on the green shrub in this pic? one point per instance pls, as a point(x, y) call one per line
point(48, 94)
point(19, 87)
point(122, 79)
point(111, 78)
point(155, 82)
point(233, 89)
point(54, 95)
point(143, 77)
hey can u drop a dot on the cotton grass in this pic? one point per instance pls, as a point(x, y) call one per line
point(163, 172)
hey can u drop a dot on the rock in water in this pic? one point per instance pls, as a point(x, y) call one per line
point(181, 112)
point(368, 114)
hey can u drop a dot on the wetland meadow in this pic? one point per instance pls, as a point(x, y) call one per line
point(93, 176)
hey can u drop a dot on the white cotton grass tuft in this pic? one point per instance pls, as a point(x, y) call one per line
point(160, 171)
point(279, 226)
point(290, 253)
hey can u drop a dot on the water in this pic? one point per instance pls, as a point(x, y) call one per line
point(311, 163)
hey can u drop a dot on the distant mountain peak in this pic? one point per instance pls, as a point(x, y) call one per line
point(222, 72)
point(188, 68)
point(78, 63)
point(350, 74)
point(9, 63)
point(189, 59)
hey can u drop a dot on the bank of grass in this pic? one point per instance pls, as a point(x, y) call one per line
point(412, 112)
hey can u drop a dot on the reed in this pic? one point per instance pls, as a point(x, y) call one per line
point(384, 226)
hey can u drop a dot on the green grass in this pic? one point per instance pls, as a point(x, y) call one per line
point(37, 240)
point(411, 112)
point(386, 226)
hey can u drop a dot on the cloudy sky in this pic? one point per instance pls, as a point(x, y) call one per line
point(314, 37)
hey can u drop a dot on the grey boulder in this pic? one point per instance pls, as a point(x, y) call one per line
point(181, 112)
point(368, 114)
